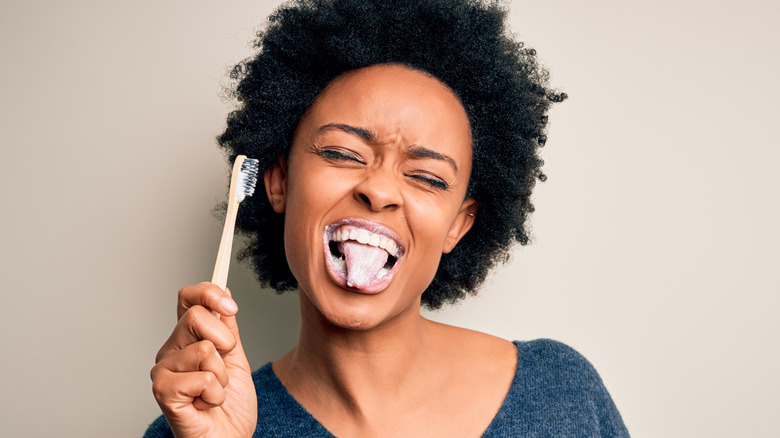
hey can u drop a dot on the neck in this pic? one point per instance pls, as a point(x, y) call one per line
point(364, 369)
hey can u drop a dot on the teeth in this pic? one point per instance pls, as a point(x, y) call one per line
point(365, 237)
point(389, 246)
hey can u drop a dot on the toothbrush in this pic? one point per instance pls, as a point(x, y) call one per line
point(242, 184)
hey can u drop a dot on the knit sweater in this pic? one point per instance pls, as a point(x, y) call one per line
point(555, 393)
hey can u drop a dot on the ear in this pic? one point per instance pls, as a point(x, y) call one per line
point(275, 179)
point(462, 224)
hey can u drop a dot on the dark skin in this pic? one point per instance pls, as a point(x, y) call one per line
point(389, 146)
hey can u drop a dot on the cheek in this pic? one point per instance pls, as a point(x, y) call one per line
point(309, 199)
point(312, 183)
point(431, 217)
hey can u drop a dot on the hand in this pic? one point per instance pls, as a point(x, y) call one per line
point(202, 380)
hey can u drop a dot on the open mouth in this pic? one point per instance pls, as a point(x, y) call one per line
point(361, 254)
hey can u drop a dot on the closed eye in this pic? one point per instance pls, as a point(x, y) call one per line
point(335, 154)
point(432, 181)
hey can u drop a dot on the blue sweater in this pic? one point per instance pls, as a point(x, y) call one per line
point(555, 393)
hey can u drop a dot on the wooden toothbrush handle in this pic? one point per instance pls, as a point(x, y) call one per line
point(222, 266)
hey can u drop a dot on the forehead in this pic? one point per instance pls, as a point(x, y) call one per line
point(395, 103)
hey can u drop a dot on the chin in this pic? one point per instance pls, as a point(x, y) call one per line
point(360, 312)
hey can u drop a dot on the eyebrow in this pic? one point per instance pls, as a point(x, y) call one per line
point(416, 151)
point(421, 152)
point(365, 134)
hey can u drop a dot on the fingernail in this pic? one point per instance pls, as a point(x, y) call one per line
point(228, 304)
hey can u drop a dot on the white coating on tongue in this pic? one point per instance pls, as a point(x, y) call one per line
point(363, 262)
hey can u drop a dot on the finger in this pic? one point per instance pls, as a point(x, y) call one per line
point(174, 391)
point(232, 324)
point(236, 356)
point(208, 295)
point(200, 356)
point(202, 404)
point(195, 325)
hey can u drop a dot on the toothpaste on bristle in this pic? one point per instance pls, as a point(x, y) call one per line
point(247, 179)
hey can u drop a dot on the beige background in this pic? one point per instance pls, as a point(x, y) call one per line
point(656, 236)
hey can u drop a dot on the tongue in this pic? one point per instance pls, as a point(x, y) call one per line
point(363, 262)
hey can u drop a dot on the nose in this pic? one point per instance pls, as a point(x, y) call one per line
point(379, 192)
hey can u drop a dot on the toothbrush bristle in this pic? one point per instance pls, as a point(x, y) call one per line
point(247, 178)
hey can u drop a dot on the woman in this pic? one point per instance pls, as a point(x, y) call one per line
point(399, 142)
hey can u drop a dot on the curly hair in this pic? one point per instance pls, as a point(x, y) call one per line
point(462, 43)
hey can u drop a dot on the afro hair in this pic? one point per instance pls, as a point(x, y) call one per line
point(462, 43)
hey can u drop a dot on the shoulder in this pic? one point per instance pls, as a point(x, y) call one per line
point(546, 358)
point(552, 372)
point(556, 392)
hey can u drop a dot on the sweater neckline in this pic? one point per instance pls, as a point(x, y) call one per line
point(290, 402)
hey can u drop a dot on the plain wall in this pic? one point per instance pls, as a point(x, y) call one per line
point(656, 236)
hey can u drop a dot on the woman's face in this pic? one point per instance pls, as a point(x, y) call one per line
point(373, 193)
